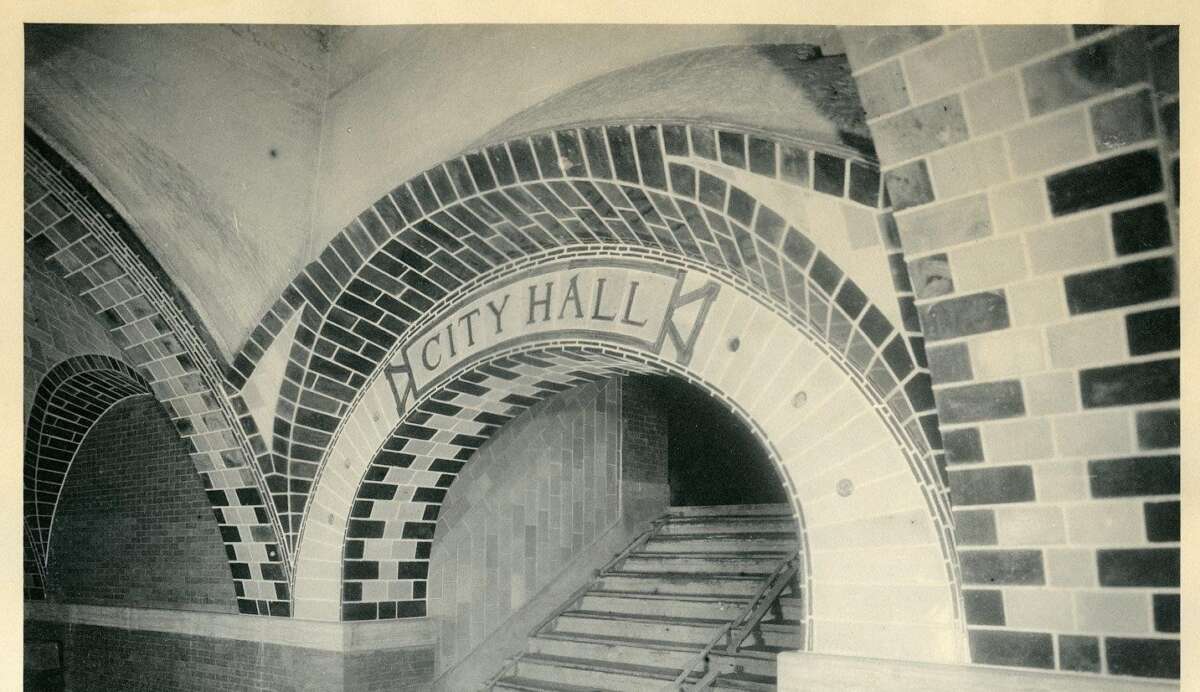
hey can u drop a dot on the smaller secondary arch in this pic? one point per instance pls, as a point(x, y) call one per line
point(69, 401)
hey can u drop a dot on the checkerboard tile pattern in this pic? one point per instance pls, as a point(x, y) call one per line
point(397, 504)
point(86, 243)
point(1034, 172)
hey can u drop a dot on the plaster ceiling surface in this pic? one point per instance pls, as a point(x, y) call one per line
point(237, 152)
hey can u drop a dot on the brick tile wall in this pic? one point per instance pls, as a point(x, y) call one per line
point(105, 658)
point(644, 490)
point(133, 525)
point(539, 493)
point(1034, 174)
point(57, 325)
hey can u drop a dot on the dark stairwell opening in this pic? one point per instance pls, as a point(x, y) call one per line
point(713, 458)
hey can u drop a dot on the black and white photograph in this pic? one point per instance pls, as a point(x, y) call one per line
point(566, 357)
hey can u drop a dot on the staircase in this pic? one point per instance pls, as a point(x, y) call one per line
point(703, 600)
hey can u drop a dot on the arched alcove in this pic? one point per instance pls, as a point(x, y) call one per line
point(72, 396)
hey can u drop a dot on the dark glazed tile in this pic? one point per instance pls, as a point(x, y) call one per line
point(977, 402)
point(1126, 284)
point(948, 364)
point(975, 527)
point(1123, 121)
point(1162, 521)
point(568, 144)
point(985, 486)
point(1138, 567)
point(864, 184)
point(851, 299)
point(762, 156)
point(1133, 476)
point(597, 152)
point(825, 273)
point(1078, 654)
point(1158, 428)
point(966, 315)
point(1104, 182)
point(1086, 72)
point(1147, 658)
point(962, 446)
point(829, 174)
point(704, 142)
point(997, 567)
point(1132, 383)
point(733, 148)
point(1166, 612)
point(984, 606)
point(650, 156)
point(1141, 229)
point(798, 248)
point(675, 140)
point(1002, 648)
point(1153, 331)
point(794, 165)
point(621, 148)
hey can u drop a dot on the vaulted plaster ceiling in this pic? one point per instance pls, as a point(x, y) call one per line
point(237, 152)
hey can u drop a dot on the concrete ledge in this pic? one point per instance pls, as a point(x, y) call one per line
point(343, 637)
point(804, 671)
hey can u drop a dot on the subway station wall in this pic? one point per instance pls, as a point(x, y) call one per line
point(133, 526)
point(1034, 175)
point(536, 497)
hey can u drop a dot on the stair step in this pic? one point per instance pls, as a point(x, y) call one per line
point(680, 583)
point(637, 629)
point(720, 510)
point(733, 543)
point(785, 635)
point(756, 662)
point(516, 682)
point(737, 524)
point(600, 674)
point(745, 681)
point(726, 563)
point(666, 605)
point(601, 648)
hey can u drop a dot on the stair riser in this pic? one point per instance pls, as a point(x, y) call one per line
point(613, 653)
point(787, 640)
point(754, 666)
point(743, 686)
point(660, 585)
point(726, 510)
point(734, 545)
point(728, 526)
point(672, 632)
point(584, 678)
point(723, 610)
point(698, 565)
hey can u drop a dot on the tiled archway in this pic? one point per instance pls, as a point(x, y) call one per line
point(69, 401)
point(641, 185)
point(421, 441)
point(88, 244)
